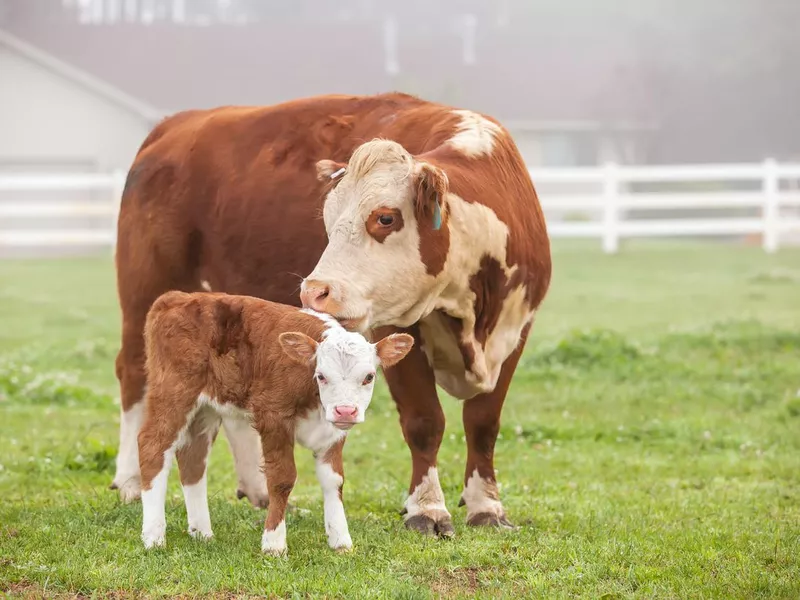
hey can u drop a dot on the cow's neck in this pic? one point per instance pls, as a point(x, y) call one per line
point(482, 308)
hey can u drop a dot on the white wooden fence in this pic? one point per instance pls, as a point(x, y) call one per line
point(771, 193)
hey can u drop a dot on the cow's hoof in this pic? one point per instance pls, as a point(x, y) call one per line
point(490, 519)
point(257, 500)
point(130, 490)
point(441, 527)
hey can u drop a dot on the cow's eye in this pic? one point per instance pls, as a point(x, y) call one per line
point(386, 220)
point(321, 378)
point(368, 379)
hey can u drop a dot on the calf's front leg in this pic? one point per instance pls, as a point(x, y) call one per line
point(277, 441)
point(330, 472)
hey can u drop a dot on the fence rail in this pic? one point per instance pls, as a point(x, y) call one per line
point(773, 198)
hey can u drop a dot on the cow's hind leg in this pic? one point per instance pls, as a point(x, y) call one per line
point(245, 446)
point(131, 375)
point(193, 465)
point(481, 416)
point(149, 262)
point(413, 388)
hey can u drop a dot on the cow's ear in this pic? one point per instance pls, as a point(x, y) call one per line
point(330, 169)
point(432, 189)
point(298, 346)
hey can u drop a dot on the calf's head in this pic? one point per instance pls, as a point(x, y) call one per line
point(386, 219)
point(344, 365)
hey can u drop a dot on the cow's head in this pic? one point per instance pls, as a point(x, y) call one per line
point(386, 219)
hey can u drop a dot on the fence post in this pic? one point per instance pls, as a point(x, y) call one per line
point(610, 209)
point(118, 187)
point(770, 212)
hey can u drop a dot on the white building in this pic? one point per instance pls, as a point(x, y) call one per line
point(54, 117)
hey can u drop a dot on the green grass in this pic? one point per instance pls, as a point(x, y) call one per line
point(650, 448)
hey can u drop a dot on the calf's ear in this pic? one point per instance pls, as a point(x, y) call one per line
point(393, 348)
point(329, 169)
point(298, 346)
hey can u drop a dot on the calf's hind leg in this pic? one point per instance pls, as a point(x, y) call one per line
point(193, 466)
point(158, 442)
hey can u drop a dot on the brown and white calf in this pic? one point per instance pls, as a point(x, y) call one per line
point(295, 375)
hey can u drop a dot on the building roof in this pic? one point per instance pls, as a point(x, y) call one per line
point(87, 80)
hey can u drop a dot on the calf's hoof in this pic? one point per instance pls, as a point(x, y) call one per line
point(438, 523)
point(201, 535)
point(258, 500)
point(340, 543)
point(155, 536)
point(490, 519)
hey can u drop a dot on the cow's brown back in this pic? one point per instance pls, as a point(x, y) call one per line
point(229, 196)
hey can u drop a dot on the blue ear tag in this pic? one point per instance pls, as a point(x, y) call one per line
point(437, 215)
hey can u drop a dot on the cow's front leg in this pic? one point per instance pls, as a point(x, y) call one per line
point(481, 425)
point(330, 473)
point(413, 388)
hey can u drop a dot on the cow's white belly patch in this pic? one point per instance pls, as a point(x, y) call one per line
point(446, 357)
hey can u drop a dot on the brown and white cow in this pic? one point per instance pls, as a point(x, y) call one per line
point(433, 227)
point(295, 375)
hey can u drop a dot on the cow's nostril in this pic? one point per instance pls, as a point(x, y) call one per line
point(315, 295)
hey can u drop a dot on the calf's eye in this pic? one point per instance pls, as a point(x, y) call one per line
point(321, 378)
point(368, 379)
point(386, 220)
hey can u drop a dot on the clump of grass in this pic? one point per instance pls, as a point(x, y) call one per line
point(93, 455)
point(776, 275)
point(590, 348)
point(21, 383)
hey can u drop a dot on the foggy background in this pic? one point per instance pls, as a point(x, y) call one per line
point(648, 81)
point(579, 83)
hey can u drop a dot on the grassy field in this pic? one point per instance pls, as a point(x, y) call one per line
point(650, 448)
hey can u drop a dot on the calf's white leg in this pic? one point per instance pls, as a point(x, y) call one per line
point(154, 521)
point(196, 497)
point(330, 473)
point(193, 464)
point(335, 519)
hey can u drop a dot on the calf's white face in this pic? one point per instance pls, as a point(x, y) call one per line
point(344, 368)
point(372, 272)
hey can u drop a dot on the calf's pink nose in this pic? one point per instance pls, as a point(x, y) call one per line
point(345, 412)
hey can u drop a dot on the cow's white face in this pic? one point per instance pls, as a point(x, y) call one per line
point(344, 368)
point(384, 208)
